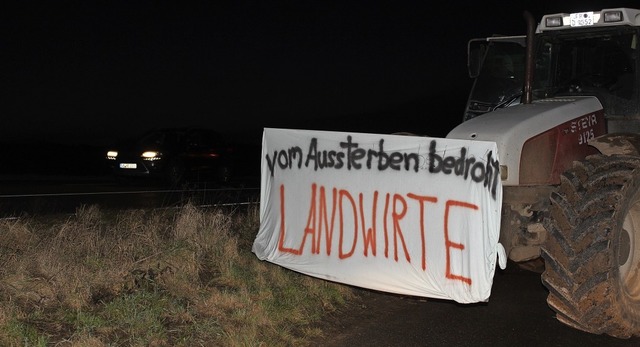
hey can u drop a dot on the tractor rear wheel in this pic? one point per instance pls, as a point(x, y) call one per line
point(592, 254)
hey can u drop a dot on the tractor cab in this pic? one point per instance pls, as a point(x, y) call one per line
point(577, 54)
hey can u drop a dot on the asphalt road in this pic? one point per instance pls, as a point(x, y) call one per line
point(515, 315)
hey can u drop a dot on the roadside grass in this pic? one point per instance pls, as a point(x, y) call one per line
point(174, 277)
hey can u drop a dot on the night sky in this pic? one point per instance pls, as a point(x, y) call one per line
point(98, 71)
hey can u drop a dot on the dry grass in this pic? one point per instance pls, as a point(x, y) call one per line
point(183, 277)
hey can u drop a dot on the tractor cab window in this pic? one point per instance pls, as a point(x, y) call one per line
point(602, 64)
point(499, 75)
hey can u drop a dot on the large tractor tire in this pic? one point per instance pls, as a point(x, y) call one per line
point(592, 254)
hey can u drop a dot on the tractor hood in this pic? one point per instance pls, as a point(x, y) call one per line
point(512, 127)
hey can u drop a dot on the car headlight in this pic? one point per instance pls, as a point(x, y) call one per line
point(112, 155)
point(151, 155)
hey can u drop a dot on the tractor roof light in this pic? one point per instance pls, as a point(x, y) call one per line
point(555, 21)
point(613, 16)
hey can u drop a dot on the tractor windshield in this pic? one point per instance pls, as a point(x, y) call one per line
point(602, 63)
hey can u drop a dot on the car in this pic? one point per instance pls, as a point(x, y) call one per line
point(173, 156)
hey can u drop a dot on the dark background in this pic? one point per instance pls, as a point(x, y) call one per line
point(78, 76)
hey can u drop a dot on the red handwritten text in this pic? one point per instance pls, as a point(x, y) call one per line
point(321, 222)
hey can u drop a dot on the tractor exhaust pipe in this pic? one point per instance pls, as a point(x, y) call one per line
point(529, 62)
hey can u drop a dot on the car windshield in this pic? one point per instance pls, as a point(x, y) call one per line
point(600, 63)
point(158, 138)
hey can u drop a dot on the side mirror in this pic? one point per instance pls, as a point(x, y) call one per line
point(476, 50)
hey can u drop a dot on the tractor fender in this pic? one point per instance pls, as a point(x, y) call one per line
point(619, 143)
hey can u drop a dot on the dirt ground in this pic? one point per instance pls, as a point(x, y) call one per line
point(516, 314)
point(365, 313)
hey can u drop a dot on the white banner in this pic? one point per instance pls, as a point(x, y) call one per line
point(402, 214)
